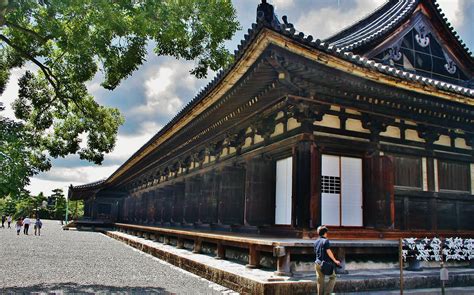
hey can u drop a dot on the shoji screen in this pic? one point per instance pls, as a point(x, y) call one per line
point(283, 191)
point(341, 191)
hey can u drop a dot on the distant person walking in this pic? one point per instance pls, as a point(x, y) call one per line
point(3, 220)
point(26, 225)
point(9, 220)
point(38, 225)
point(324, 261)
point(18, 225)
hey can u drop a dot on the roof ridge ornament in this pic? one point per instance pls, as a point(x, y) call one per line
point(266, 14)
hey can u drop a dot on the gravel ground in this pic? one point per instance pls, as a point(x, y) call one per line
point(85, 262)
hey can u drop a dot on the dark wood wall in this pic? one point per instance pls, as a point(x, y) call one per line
point(260, 192)
point(243, 193)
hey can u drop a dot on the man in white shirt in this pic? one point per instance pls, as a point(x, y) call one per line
point(26, 225)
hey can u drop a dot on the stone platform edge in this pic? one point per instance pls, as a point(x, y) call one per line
point(245, 285)
point(227, 279)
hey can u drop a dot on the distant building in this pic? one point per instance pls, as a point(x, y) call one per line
point(372, 128)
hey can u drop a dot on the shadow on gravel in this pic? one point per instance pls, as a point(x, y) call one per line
point(71, 288)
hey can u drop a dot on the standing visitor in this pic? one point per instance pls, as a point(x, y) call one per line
point(9, 220)
point(18, 225)
point(26, 225)
point(38, 225)
point(3, 220)
point(324, 262)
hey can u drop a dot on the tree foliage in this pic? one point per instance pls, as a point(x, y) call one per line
point(69, 41)
point(20, 157)
point(46, 207)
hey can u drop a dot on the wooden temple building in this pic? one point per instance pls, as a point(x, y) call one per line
point(370, 132)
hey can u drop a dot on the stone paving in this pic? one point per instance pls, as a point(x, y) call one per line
point(86, 262)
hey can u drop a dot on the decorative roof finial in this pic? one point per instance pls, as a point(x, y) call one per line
point(265, 13)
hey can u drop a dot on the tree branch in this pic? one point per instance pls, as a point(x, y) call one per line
point(47, 71)
point(28, 31)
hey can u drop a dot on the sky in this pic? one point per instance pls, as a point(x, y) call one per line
point(163, 85)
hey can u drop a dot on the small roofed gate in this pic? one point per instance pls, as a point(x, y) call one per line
point(192, 197)
point(209, 198)
point(259, 192)
point(231, 196)
point(178, 202)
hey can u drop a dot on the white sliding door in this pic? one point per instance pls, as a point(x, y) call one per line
point(341, 191)
point(351, 191)
point(331, 188)
point(283, 191)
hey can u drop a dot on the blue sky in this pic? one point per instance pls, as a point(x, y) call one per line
point(162, 86)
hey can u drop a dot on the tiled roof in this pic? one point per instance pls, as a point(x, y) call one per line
point(382, 21)
point(95, 184)
point(288, 30)
point(374, 25)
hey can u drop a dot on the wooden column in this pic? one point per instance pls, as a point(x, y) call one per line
point(302, 184)
point(315, 202)
point(197, 246)
point(283, 262)
point(259, 192)
point(220, 251)
point(180, 243)
point(254, 257)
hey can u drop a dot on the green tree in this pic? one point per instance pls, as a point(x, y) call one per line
point(60, 208)
point(24, 207)
point(20, 157)
point(69, 41)
point(9, 206)
point(76, 209)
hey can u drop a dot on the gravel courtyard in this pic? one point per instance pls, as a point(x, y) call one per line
point(85, 262)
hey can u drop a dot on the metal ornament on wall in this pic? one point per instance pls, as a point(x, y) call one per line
point(450, 66)
point(422, 34)
point(394, 51)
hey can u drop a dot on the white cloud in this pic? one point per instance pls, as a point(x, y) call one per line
point(59, 177)
point(281, 4)
point(127, 145)
point(62, 177)
point(452, 10)
point(322, 23)
point(163, 86)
